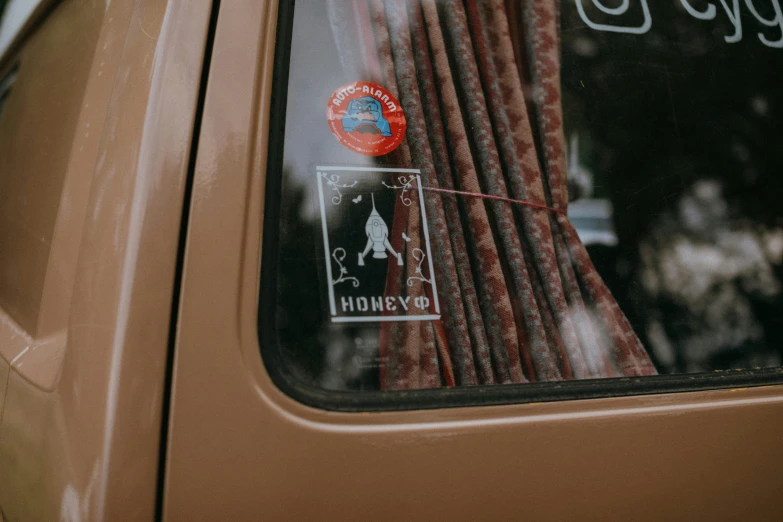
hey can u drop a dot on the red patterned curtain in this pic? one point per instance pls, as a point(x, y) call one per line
point(479, 81)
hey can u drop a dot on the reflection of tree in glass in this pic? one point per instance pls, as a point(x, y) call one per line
point(681, 130)
point(299, 311)
point(337, 357)
point(705, 274)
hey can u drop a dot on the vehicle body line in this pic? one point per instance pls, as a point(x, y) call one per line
point(181, 248)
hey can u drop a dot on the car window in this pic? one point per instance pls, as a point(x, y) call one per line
point(490, 193)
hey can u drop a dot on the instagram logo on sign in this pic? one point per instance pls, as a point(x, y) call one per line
point(616, 11)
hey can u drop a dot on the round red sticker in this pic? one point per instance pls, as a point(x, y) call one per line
point(366, 118)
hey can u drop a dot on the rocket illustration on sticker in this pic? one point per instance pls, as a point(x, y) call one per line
point(377, 238)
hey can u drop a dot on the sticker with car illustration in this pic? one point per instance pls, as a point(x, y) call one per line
point(377, 257)
point(366, 114)
point(366, 118)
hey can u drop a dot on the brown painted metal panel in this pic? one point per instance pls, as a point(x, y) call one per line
point(37, 128)
point(86, 447)
point(5, 368)
point(240, 449)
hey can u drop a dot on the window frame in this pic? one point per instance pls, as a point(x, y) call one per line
point(460, 396)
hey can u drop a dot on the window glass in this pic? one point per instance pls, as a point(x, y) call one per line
point(488, 192)
point(674, 132)
point(13, 15)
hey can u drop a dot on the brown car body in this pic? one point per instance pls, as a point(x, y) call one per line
point(83, 366)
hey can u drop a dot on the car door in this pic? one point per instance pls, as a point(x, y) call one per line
point(279, 411)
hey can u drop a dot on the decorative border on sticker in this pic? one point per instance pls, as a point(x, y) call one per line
point(331, 191)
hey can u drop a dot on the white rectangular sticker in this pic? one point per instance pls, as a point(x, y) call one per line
point(376, 245)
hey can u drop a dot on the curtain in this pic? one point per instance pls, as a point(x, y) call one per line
point(479, 81)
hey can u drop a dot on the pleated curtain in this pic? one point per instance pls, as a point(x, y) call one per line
point(479, 82)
